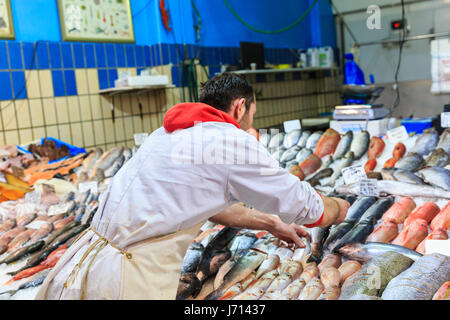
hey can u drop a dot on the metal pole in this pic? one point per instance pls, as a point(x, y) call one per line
point(420, 37)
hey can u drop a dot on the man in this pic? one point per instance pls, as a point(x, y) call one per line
point(200, 163)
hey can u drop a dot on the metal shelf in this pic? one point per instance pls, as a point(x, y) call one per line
point(137, 89)
point(259, 71)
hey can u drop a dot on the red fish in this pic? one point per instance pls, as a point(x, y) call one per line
point(427, 212)
point(385, 232)
point(376, 147)
point(399, 151)
point(442, 220)
point(370, 165)
point(399, 210)
point(328, 143)
point(412, 235)
point(298, 172)
point(310, 165)
point(434, 235)
point(390, 163)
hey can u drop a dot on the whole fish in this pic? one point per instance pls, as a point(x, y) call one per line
point(127, 154)
point(289, 154)
point(278, 152)
point(327, 143)
point(277, 140)
point(89, 161)
point(348, 268)
point(310, 165)
point(189, 285)
point(43, 231)
point(240, 270)
point(438, 158)
point(442, 219)
point(344, 145)
point(365, 252)
point(426, 142)
point(261, 285)
point(412, 235)
point(19, 253)
point(232, 292)
point(330, 277)
point(312, 141)
point(354, 213)
point(112, 170)
point(330, 293)
point(192, 257)
point(242, 241)
point(35, 259)
point(421, 280)
point(61, 223)
point(292, 268)
point(434, 235)
point(412, 162)
point(436, 176)
point(385, 232)
point(427, 211)
point(302, 155)
point(264, 138)
point(376, 147)
point(291, 138)
point(364, 227)
point(329, 260)
point(292, 291)
point(350, 199)
point(326, 162)
point(312, 290)
point(346, 161)
point(270, 263)
point(360, 143)
point(325, 173)
point(279, 284)
point(399, 189)
point(318, 236)
point(37, 281)
point(106, 160)
point(444, 141)
point(303, 139)
point(406, 176)
point(26, 219)
point(57, 233)
point(249, 281)
point(374, 276)
point(63, 238)
point(20, 240)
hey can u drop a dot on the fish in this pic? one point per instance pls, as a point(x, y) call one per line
point(192, 257)
point(354, 213)
point(438, 234)
point(421, 280)
point(444, 141)
point(115, 167)
point(270, 263)
point(374, 175)
point(412, 235)
point(12, 233)
point(412, 162)
point(303, 139)
point(57, 233)
point(232, 292)
point(264, 138)
point(344, 145)
point(374, 276)
point(324, 173)
point(348, 268)
point(427, 211)
point(438, 158)
point(360, 144)
point(127, 154)
point(19, 253)
point(242, 241)
point(106, 160)
point(318, 236)
point(43, 231)
point(442, 219)
point(289, 154)
point(284, 253)
point(240, 270)
point(259, 287)
point(426, 142)
point(61, 223)
point(312, 290)
point(327, 143)
point(330, 277)
point(279, 284)
point(292, 291)
point(302, 255)
point(215, 253)
point(443, 293)
point(330, 293)
point(277, 140)
point(390, 163)
point(291, 164)
point(363, 253)
point(385, 232)
point(30, 284)
point(436, 176)
point(342, 163)
point(310, 272)
point(188, 285)
point(89, 162)
point(399, 151)
point(63, 238)
point(364, 227)
point(302, 155)
point(310, 164)
point(326, 162)
point(376, 147)
point(278, 153)
point(313, 140)
point(399, 189)
point(370, 165)
point(406, 176)
point(291, 138)
point(20, 240)
point(26, 219)
point(249, 281)
point(350, 199)
point(330, 260)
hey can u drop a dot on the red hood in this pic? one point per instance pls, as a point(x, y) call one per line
point(184, 115)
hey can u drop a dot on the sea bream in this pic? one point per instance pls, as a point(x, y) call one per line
point(106, 160)
point(444, 141)
point(340, 164)
point(312, 141)
point(438, 158)
point(426, 142)
point(436, 176)
point(264, 138)
point(303, 139)
point(344, 145)
point(291, 138)
point(360, 143)
point(303, 154)
point(277, 140)
point(327, 143)
point(289, 154)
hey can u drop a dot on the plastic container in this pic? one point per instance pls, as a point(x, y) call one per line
point(416, 125)
point(326, 57)
point(312, 57)
point(72, 149)
point(353, 73)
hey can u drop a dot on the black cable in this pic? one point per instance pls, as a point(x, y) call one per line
point(402, 42)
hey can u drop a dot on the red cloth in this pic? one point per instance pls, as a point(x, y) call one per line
point(315, 224)
point(184, 115)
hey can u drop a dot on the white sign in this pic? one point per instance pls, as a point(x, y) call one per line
point(33, 197)
point(437, 246)
point(369, 188)
point(139, 138)
point(291, 125)
point(353, 174)
point(445, 119)
point(85, 186)
point(58, 208)
point(36, 224)
point(398, 134)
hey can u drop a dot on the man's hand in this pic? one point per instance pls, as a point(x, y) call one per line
point(291, 233)
point(335, 211)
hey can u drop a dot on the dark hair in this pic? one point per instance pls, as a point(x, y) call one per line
point(222, 89)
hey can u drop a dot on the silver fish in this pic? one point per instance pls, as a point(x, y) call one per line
point(438, 158)
point(326, 162)
point(277, 140)
point(112, 170)
point(242, 241)
point(303, 139)
point(412, 162)
point(436, 176)
point(388, 173)
point(365, 252)
point(192, 257)
point(344, 145)
point(444, 141)
point(302, 155)
point(426, 142)
point(264, 138)
point(127, 153)
point(341, 164)
point(360, 143)
point(291, 138)
point(313, 140)
point(278, 153)
point(106, 160)
point(406, 176)
point(289, 154)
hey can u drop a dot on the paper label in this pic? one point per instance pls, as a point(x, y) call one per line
point(369, 188)
point(445, 119)
point(437, 246)
point(398, 134)
point(33, 197)
point(58, 209)
point(291, 125)
point(85, 186)
point(36, 224)
point(139, 138)
point(353, 174)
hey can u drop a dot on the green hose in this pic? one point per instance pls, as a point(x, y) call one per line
point(272, 31)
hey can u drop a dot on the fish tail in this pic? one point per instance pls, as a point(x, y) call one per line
point(8, 282)
point(227, 296)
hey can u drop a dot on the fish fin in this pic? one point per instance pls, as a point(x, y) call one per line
point(9, 282)
point(226, 296)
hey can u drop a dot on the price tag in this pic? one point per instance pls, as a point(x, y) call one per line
point(353, 174)
point(58, 209)
point(445, 119)
point(139, 138)
point(369, 188)
point(36, 224)
point(33, 197)
point(291, 125)
point(398, 134)
point(85, 186)
point(437, 246)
